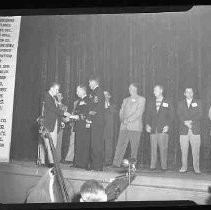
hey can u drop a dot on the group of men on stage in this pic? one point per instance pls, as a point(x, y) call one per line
point(89, 124)
point(159, 117)
point(90, 127)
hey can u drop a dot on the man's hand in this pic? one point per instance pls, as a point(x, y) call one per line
point(165, 129)
point(75, 117)
point(88, 121)
point(92, 112)
point(188, 123)
point(148, 128)
point(66, 119)
point(67, 114)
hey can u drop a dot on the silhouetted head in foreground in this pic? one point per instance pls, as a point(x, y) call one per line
point(92, 191)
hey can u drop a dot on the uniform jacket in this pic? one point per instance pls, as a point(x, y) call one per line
point(82, 109)
point(97, 104)
point(134, 115)
point(51, 112)
point(194, 113)
point(158, 119)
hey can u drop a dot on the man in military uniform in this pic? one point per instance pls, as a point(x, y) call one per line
point(96, 116)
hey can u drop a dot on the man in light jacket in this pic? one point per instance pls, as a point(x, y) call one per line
point(131, 125)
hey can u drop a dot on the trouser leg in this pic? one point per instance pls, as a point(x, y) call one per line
point(134, 137)
point(184, 145)
point(195, 141)
point(163, 147)
point(121, 147)
point(41, 153)
point(108, 150)
point(153, 142)
point(47, 144)
point(97, 146)
point(71, 150)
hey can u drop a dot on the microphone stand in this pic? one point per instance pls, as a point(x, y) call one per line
point(128, 175)
point(131, 167)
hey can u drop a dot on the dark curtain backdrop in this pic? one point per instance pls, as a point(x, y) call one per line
point(171, 48)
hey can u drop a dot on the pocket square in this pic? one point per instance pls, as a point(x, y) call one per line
point(194, 105)
point(165, 105)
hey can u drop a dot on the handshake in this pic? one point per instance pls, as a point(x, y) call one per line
point(71, 116)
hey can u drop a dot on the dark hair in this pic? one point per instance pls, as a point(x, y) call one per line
point(188, 87)
point(52, 84)
point(82, 86)
point(95, 78)
point(92, 187)
point(160, 86)
point(135, 84)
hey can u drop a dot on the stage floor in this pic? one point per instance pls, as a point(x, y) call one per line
point(139, 172)
point(148, 185)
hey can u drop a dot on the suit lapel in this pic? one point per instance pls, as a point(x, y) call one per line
point(154, 106)
point(52, 99)
point(190, 107)
point(161, 105)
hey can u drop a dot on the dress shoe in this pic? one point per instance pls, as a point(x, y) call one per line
point(152, 169)
point(182, 170)
point(108, 164)
point(114, 166)
point(50, 165)
point(197, 172)
point(71, 164)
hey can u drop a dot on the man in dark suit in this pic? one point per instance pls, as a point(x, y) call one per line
point(190, 112)
point(96, 115)
point(51, 115)
point(159, 116)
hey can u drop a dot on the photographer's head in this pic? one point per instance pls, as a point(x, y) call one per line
point(92, 191)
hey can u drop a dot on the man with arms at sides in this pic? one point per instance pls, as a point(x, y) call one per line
point(52, 112)
point(108, 129)
point(131, 125)
point(96, 116)
point(159, 117)
point(189, 113)
point(92, 191)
